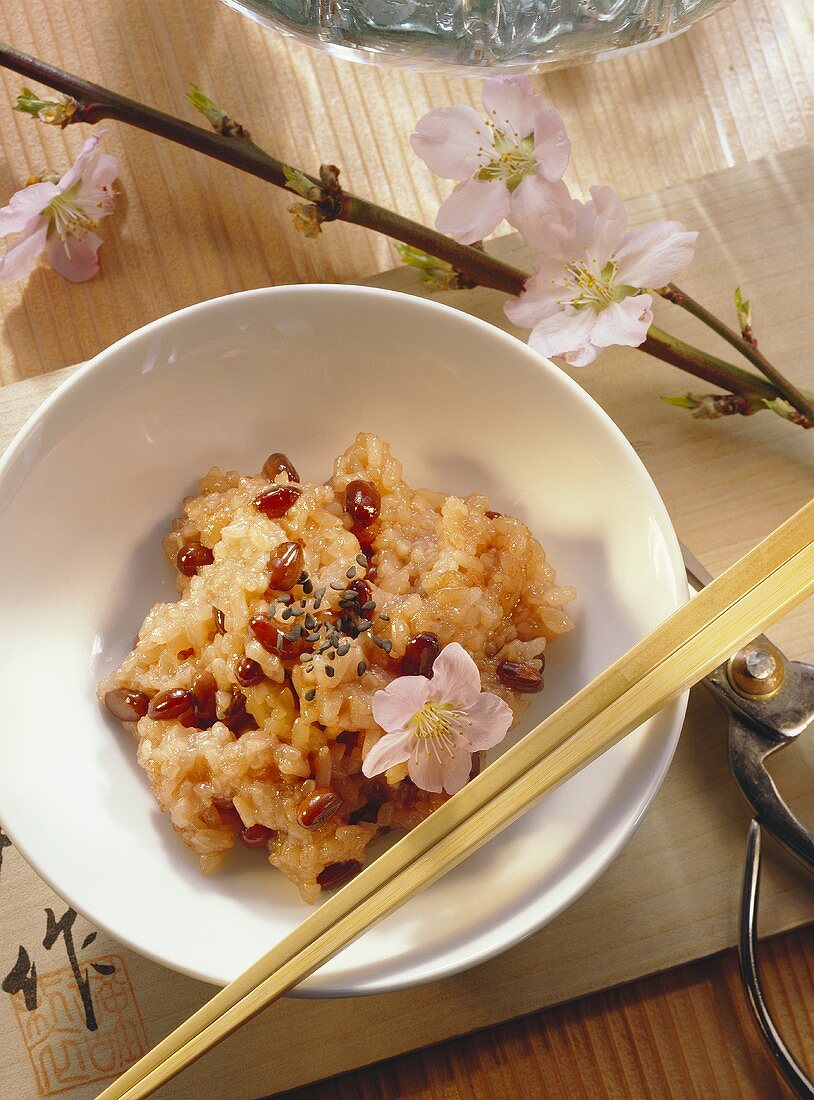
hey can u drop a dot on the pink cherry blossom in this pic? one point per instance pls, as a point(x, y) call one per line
point(586, 290)
point(436, 724)
point(510, 165)
point(59, 218)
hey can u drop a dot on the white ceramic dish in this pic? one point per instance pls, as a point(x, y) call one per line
point(88, 489)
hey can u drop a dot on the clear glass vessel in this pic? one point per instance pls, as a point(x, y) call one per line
point(470, 36)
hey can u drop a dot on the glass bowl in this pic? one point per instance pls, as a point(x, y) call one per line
point(470, 36)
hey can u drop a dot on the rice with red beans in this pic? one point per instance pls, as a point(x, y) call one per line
point(250, 695)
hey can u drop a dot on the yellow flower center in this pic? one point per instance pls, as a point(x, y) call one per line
point(438, 727)
point(515, 159)
point(595, 291)
point(68, 214)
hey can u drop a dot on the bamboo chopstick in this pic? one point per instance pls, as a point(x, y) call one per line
point(746, 599)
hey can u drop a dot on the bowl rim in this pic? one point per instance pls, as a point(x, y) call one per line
point(676, 710)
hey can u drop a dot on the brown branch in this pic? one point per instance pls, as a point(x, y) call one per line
point(747, 347)
point(98, 103)
point(234, 146)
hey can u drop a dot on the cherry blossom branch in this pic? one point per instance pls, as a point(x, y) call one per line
point(231, 143)
point(745, 344)
point(97, 103)
point(703, 365)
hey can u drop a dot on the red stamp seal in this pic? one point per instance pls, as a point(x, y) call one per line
point(64, 1053)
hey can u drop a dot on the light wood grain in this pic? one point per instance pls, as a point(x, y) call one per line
point(733, 88)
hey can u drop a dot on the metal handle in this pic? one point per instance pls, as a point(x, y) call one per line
point(750, 972)
point(748, 750)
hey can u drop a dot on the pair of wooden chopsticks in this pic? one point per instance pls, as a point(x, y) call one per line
point(745, 600)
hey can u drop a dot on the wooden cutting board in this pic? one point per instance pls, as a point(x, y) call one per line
point(669, 898)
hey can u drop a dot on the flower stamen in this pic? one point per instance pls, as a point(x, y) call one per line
point(438, 725)
point(515, 159)
point(68, 214)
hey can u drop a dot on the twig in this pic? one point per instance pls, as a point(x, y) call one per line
point(748, 348)
point(703, 365)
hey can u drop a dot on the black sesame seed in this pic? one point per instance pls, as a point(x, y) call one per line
point(363, 624)
point(313, 637)
point(309, 695)
point(330, 670)
point(331, 654)
point(297, 610)
point(361, 668)
point(347, 604)
point(294, 634)
point(343, 649)
point(362, 560)
point(310, 669)
point(284, 598)
point(303, 577)
point(317, 604)
point(310, 621)
point(369, 606)
point(351, 573)
point(381, 643)
point(308, 588)
point(287, 613)
point(384, 617)
point(323, 647)
point(337, 587)
point(320, 592)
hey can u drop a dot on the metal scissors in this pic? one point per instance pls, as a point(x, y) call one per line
point(770, 701)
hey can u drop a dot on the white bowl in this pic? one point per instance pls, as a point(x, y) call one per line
point(87, 491)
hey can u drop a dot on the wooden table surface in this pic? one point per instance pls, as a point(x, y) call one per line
point(733, 89)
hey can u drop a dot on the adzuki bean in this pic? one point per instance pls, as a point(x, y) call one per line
point(256, 836)
point(127, 706)
point(271, 638)
point(171, 704)
point(363, 502)
point(276, 500)
point(520, 677)
point(420, 654)
point(337, 874)
point(192, 557)
point(362, 592)
point(248, 672)
point(204, 690)
point(279, 463)
point(318, 807)
point(285, 566)
point(236, 717)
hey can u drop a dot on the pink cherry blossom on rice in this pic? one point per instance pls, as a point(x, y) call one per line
point(436, 724)
point(510, 165)
point(586, 292)
point(59, 218)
